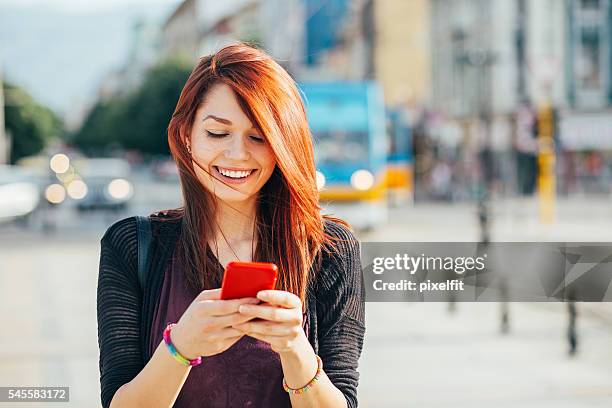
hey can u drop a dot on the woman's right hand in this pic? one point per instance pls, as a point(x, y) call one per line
point(205, 327)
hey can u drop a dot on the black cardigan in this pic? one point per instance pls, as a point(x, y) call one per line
point(335, 304)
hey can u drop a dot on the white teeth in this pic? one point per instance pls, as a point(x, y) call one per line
point(234, 173)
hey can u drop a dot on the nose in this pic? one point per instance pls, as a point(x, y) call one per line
point(237, 150)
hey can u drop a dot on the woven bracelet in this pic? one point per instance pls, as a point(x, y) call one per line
point(178, 356)
point(310, 383)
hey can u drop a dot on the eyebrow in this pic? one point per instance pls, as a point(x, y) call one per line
point(222, 120)
point(218, 119)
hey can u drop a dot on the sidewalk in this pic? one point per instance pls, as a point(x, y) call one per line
point(420, 355)
point(578, 219)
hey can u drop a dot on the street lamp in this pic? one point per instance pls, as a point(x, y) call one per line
point(482, 59)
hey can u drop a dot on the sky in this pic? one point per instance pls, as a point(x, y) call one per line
point(79, 6)
point(59, 50)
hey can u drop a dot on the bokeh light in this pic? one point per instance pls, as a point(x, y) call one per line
point(59, 163)
point(55, 193)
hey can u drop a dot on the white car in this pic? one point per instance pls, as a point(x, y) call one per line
point(105, 183)
point(20, 192)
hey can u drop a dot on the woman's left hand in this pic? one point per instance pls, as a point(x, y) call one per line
point(282, 324)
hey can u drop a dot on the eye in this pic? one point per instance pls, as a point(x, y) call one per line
point(258, 139)
point(217, 135)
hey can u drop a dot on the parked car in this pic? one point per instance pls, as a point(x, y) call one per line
point(104, 183)
point(20, 193)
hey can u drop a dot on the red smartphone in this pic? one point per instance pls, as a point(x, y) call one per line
point(245, 279)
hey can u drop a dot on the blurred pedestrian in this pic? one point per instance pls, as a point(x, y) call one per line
point(526, 145)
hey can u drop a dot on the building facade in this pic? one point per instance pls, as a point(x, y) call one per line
point(589, 43)
point(496, 53)
point(402, 57)
point(180, 33)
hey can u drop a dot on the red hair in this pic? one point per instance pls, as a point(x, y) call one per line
point(289, 226)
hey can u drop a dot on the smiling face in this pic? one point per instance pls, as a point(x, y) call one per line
point(225, 143)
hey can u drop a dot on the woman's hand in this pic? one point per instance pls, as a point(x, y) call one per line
point(205, 328)
point(282, 324)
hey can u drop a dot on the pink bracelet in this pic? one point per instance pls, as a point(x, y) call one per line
point(178, 356)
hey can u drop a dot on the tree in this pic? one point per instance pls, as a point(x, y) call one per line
point(30, 124)
point(101, 128)
point(151, 109)
point(140, 119)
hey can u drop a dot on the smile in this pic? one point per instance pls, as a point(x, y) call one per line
point(234, 174)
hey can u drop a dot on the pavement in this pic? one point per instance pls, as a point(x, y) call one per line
point(415, 354)
point(422, 355)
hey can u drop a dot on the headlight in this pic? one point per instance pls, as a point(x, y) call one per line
point(362, 180)
point(55, 193)
point(59, 163)
point(320, 180)
point(77, 189)
point(119, 189)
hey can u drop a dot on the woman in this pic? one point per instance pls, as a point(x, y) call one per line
point(240, 138)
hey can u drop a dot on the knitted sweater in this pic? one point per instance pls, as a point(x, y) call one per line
point(335, 304)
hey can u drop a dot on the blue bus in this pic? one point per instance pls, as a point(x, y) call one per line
point(347, 120)
point(399, 172)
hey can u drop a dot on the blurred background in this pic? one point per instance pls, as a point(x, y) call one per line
point(434, 120)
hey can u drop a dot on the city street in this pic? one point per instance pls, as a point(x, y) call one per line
point(414, 354)
point(457, 123)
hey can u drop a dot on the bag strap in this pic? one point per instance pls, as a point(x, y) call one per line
point(143, 226)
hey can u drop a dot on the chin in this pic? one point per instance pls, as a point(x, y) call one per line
point(234, 197)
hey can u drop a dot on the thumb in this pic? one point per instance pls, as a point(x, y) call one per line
point(209, 294)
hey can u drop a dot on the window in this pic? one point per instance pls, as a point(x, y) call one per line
point(590, 4)
point(341, 146)
point(589, 66)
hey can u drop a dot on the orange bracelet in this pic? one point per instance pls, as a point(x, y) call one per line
point(310, 383)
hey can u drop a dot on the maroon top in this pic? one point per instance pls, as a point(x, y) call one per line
point(248, 374)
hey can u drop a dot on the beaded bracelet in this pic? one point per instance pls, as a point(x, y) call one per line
point(310, 383)
point(178, 356)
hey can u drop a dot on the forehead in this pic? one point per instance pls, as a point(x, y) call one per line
point(221, 101)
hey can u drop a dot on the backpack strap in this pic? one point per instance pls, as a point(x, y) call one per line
point(143, 226)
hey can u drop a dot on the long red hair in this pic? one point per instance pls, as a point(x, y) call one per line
point(289, 226)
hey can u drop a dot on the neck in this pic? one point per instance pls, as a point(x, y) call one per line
point(235, 221)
